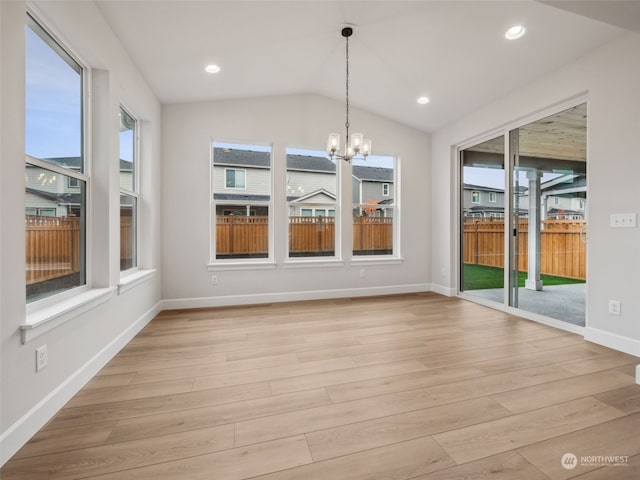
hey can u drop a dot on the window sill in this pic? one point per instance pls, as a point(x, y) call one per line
point(133, 279)
point(307, 263)
point(228, 266)
point(46, 319)
point(366, 261)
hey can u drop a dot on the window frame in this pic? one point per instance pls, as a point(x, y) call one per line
point(253, 263)
point(244, 173)
point(314, 206)
point(396, 254)
point(493, 197)
point(63, 49)
point(473, 195)
point(386, 191)
point(134, 194)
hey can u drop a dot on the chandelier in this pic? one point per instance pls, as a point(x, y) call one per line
point(355, 144)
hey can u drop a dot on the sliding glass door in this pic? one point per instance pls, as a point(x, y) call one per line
point(527, 248)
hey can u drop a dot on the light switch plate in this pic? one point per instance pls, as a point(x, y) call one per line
point(623, 220)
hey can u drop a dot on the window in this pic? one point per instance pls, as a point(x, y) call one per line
point(311, 198)
point(235, 178)
point(385, 189)
point(55, 181)
point(492, 197)
point(556, 201)
point(373, 213)
point(128, 164)
point(475, 197)
point(241, 219)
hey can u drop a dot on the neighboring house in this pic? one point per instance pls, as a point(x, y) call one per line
point(562, 198)
point(244, 176)
point(482, 202)
point(50, 194)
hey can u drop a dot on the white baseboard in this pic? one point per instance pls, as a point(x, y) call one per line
point(442, 290)
point(28, 425)
point(232, 300)
point(612, 340)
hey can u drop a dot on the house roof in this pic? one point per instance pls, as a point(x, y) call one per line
point(373, 174)
point(241, 198)
point(247, 158)
point(61, 198)
point(310, 163)
point(74, 163)
point(306, 197)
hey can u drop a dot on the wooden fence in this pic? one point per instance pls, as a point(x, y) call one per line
point(562, 252)
point(373, 234)
point(312, 235)
point(52, 247)
point(248, 236)
point(241, 235)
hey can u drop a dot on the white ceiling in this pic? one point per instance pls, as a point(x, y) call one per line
point(452, 51)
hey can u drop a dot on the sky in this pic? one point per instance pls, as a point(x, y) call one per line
point(53, 105)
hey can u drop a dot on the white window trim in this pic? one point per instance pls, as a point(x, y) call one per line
point(134, 277)
point(396, 255)
point(227, 264)
point(42, 320)
point(493, 195)
point(475, 191)
point(61, 307)
point(132, 193)
point(385, 186)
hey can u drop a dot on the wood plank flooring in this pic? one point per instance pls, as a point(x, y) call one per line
point(399, 387)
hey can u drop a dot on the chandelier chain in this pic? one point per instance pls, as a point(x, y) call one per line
point(347, 86)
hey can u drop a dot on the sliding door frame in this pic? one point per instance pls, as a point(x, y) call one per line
point(505, 130)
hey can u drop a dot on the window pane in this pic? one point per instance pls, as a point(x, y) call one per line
point(373, 198)
point(55, 233)
point(311, 192)
point(53, 101)
point(242, 217)
point(127, 232)
point(127, 151)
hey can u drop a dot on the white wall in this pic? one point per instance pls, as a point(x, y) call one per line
point(610, 75)
point(298, 121)
point(79, 347)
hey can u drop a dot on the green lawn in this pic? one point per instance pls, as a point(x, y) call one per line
point(477, 277)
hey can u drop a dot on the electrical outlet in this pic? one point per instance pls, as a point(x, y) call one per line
point(41, 357)
point(363, 273)
point(214, 279)
point(614, 307)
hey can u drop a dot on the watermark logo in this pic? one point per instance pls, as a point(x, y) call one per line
point(569, 461)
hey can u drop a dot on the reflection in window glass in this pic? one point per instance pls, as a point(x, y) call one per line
point(53, 98)
point(55, 186)
point(311, 193)
point(128, 191)
point(55, 233)
point(241, 217)
point(127, 151)
point(127, 231)
point(373, 205)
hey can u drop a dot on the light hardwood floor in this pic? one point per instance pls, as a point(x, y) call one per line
point(401, 387)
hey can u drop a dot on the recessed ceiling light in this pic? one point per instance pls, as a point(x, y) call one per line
point(515, 32)
point(423, 100)
point(212, 68)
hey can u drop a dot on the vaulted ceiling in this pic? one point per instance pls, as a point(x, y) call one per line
point(454, 52)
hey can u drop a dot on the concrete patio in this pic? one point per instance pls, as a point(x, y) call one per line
point(562, 302)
